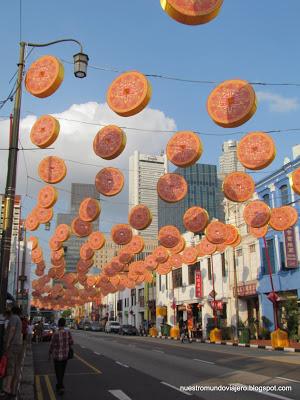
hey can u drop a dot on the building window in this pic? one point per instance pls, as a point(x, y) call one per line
point(133, 297)
point(282, 256)
point(177, 277)
point(192, 269)
point(284, 195)
point(239, 252)
point(271, 250)
point(252, 248)
point(209, 268)
point(266, 199)
point(223, 264)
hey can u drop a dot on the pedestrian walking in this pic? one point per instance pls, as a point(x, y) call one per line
point(29, 333)
point(61, 349)
point(24, 328)
point(13, 348)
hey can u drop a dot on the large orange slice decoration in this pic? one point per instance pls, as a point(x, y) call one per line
point(164, 268)
point(84, 265)
point(140, 217)
point(259, 232)
point(121, 234)
point(282, 218)
point(116, 265)
point(189, 255)
point(47, 197)
point(62, 232)
point(109, 142)
point(89, 209)
point(179, 248)
point(293, 214)
point(221, 247)
point(160, 254)
point(192, 12)
point(257, 213)
point(124, 256)
point(44, 131)
point(32, 223)
point(176, 260)
point(184, 148)
point(129, 93)
point(195, 219)
point(295, 180)
point(231, 103)
point(96, 240)
point(57, 255)
point(44, 76)
point(231, 234)
point(256, 150)
point(52, 169)
point(172, 187)
point(109, 181)
point(34, 242)
point(205, 247)
point(81, 228)
point(86, 252)
point(44, 215)
point(169, 236)
point(136, 245)
point(238, 187)
point(36, 253)
point(237, 241)
point(216, 232)
point(150, 262)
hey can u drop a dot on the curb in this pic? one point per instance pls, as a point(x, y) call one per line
point(26, 388)
point(254, 346)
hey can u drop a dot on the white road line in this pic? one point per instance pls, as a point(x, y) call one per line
point(287, 379)
point(119, 394)
point(158, 351)
point(98, 354)
point(122, 365)
point(204, 361)
point(176, 388)
point(277, 396)
point(83, 347)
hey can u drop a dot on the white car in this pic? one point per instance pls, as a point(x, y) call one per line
point(112, 327)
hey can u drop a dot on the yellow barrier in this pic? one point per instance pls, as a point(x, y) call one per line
point(215, 335)
point(174, 332)
point(279, 338)
point(153, 331)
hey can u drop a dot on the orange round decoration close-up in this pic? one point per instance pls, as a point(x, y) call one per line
point(293, 214)
point(231, 103)
point(81, 228)
point(184, 148)
point(109, 181)
point(259, 232)
point(129, 93)
point(44, 76)
point(195, 219)
point(62, 232)
point(205, 247)
point(44, 131)
point(54, 243)
point(140, 217)
point(89, 209)
point(295, 181)
point(121, 234)
point(172, 187)
point(257, 213)
point(34, 242)
point(52, 169)
point(189, 255)
point(238, 187)
point(192, 12)
point(44, 215)
point(86, 252)
point(169, 236)
point(32, 223)
point(136, 245)
point(47, 197)
point(176, 260)
point(109, 142)
point(256, 150)
point(179, 247)
point(232, 234)
point(160, 254)
point(282, 218)
point(216, 232)
point(96, 240)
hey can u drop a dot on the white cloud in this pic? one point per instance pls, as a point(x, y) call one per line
point(278, 103)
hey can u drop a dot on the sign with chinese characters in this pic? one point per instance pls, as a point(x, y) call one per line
point(246, 289)
point(217, 304)
point(290, 248)
point(198, 284)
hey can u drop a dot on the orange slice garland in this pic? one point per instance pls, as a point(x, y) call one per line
point(89, 209)
point(195, 219)
point(47, 197)
point(184, 148)
point(44, 215)
point(172, 188)
point(121, 234)
point(52, 169)
point(257, 213)
point(62, 232)
point(109, 181)
point(140, 217)
point(169, 236)
point(32, 222)
point(96, 240)
point(216, 232)
point(81, 228)
point(189, 255)
point(109, 142)
point(259, 232)
point(282, 218)
point(238, 187)
point(44, 131)
point(295, 181)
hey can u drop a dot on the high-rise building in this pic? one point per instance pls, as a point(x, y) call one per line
point(16, 216)
point(203, 191)
point(79, 191)
point(144, 172)
point(228, 160)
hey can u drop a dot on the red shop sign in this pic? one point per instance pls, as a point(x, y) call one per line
point(290, 248)
point(217, 304)
point(198, 284)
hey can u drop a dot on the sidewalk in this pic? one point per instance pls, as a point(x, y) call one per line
point(26, 387)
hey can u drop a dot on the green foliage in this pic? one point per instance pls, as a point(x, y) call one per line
point(66, 313)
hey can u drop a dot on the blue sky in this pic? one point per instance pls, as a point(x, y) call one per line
point(253, 40)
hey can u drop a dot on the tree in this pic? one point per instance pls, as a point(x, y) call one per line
point(66, 313)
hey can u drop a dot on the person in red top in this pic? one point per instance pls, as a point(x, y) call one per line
point(60, 345)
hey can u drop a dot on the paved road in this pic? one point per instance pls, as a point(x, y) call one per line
point(114, 366)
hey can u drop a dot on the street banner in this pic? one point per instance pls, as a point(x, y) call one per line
point(198, 284)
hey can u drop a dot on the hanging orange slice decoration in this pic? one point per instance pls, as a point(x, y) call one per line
point(109, 181)
point(237, 241)
point(96, 240)
point(172, 188)
point(125, 256)
point(136, 245)
point(109, 142)
point(86, 252)
point(150, 262)
point(47, 197)
point(44, 215)
point(295, 181)
point(257, 214)
point(293, 214)
point(121, 234)
point(81, 228)
point(140, 217)
point(205, 247)
point(169, 236)
point(129, 93)
point(282, 218)
point(34, 242)
point(184, 148)
point(238, 187)
point(179, 247)
point(44, 131)
point(192, 12)
point(256, 150)
point(164, 268)
point(84, 265)
point(216, 232)
point(31, 222)
point(259, 232)
point(176, 260)
point(89, 209)
point(62, 232)
point(189, 255)
point(195, 219)
point(232, 234)
point(52, 169)
point(160, 254)
point(44, 76)
point(231, 103)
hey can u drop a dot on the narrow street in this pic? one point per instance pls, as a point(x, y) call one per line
point(144, 368)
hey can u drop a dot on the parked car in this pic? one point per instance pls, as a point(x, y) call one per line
point(112, 327)
point(128, 330)
point(84, 324)
point(95, 326)
point(46, 333)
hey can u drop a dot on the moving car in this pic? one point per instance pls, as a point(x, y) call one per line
point(95, 326)
point(47, 332)
point(112, 327)
point(128, 330)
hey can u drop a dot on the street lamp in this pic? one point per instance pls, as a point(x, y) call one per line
point(80, 69)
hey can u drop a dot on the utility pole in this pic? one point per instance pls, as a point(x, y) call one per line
point(236, 296)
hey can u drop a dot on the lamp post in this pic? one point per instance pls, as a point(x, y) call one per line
point(80, 70)
point(236, 298)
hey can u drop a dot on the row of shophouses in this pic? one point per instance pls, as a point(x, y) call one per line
point(186, 294)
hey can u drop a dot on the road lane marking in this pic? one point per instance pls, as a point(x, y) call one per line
point(176, 388)
point(123, 365)
point(49, 387)
point(98, 354)
point(88, 364)
point(277, 396)
point(38, 388)
point(287, 379)
point(204, 361)
point(119, 394)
